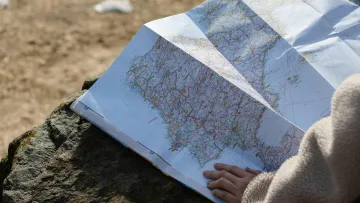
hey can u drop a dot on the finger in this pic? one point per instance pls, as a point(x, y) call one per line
point(227, 197)
point(223, 184)
point(255, 172)
point(232, 169)
point(221, 174)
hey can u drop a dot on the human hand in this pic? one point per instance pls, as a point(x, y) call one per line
point(230, 181)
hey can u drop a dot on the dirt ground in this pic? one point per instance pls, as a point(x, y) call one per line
point(48, 48)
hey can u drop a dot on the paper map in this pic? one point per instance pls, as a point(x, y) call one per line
point(230, 81)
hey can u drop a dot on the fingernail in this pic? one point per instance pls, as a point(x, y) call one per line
point(208, 184)
point(206, 173)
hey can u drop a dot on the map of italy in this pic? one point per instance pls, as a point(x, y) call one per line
point(203, 112)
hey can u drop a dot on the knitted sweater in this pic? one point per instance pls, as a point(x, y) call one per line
point(327, 167)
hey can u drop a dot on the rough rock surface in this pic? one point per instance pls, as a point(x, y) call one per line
point(69, 160)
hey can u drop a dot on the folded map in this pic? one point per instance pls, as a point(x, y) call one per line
point(230, 81)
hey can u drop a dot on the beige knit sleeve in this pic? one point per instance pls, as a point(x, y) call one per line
point(327, 167)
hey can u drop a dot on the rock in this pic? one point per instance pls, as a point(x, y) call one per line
point(88, 83)
point(67, 159)
point(4, 3)
point(121, 6)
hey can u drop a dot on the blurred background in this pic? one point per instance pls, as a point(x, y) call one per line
point(49, 47)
